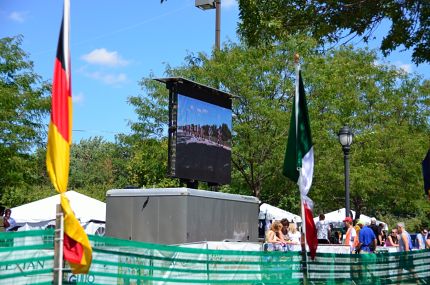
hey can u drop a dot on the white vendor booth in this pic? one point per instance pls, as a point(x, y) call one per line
point(269, 212)
point(41, 214)
point(337, 217)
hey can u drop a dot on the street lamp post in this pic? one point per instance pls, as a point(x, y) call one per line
point(217, 23)
point(345, 139)
point(212, 4)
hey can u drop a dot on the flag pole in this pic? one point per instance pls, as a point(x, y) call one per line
point(303, 239)
point(58, 246)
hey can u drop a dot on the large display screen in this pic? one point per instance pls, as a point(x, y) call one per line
point(203, 141)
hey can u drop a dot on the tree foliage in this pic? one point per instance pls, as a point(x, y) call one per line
point(260, 80)
point(387, 108)
point(24, 102)
point(92, 162)
point(340, 21)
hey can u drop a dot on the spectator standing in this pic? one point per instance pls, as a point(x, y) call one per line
point(405, 245)
point(421, 239)
point(323, 230)
point(367, 239)
point(11, 222)
point(392, 239)
point(381, 233)
point(339, 237)
point(274, 235)
point(351, 235)
point(285, 224)
point(405, 241)
point(357, 227)
point(375, 230)
point(3, 223)
point(428, 241)
point(294, 234)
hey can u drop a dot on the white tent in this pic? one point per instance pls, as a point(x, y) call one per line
point(269, 212)
point(337, 217)
point(40, 214)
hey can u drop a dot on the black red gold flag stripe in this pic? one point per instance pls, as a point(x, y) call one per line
point(77, 248)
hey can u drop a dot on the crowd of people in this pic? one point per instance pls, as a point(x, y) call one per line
point(364, 238)
point(7, 223)
point(359, 236)
point(283, 235)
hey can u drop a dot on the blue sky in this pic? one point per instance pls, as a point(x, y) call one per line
point(192, 111)
point(114, 44)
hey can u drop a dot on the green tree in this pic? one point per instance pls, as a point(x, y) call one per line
point(24, 104)
point(147, 162)
point(261, 81)
point(97, 166)
point(387, 108)
point(339, 20)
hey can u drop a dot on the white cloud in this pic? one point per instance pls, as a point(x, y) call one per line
point(203, 111)
point(228, 3)
point(104, 57)
point(78, 98)
point(406, 67)
point(17, 16)
point(108, 78)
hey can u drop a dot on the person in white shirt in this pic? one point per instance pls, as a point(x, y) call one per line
point(323, 230)
point(9, 219)
point(421, 239)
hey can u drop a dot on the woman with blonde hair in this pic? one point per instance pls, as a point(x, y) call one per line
point(274, 235)
point(294, 234)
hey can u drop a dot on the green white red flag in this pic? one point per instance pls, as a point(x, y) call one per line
point(299, 159)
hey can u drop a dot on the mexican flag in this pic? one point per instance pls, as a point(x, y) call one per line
point(299, 159)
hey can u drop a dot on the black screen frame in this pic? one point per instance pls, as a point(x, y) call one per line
point(180, 86)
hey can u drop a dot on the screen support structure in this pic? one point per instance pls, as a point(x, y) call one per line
point(181, 162)
point(189, 183)
point(173, 102)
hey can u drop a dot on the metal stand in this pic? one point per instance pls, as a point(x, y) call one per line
point(346, 162)
point(58, 246)
point(304, 263)
point(217, 24)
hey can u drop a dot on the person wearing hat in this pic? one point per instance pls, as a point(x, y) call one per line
point(351, 235)
point(357, 227)
point(367, 239)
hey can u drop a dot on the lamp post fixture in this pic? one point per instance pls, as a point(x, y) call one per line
point(212, 4)
point(345, 139)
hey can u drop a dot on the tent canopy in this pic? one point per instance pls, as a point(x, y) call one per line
point(270, 212)
point(336, 217)
point(42, 211)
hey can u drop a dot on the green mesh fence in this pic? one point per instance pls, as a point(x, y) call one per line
point(27, 258)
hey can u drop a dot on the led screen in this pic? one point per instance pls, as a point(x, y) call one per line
point(203, 141)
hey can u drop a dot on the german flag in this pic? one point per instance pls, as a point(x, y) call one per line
point(77, 248)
